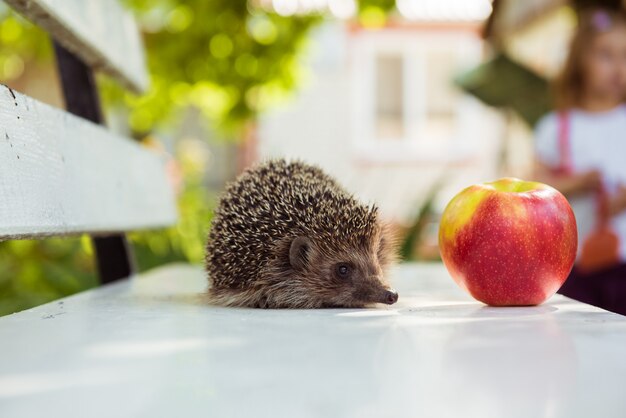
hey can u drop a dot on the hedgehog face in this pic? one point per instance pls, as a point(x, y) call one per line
point(352, 278)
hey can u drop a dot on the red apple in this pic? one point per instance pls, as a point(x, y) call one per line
point(509, 242)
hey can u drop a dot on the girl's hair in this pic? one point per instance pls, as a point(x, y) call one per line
point(569, 84)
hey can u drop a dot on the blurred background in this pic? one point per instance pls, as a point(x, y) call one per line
point(404, 101)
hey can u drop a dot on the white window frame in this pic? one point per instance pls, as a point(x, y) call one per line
point(413, 45)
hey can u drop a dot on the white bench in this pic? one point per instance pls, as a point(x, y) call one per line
point(61, 173)
point(150, 347)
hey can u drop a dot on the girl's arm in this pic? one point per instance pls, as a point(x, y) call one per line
point(570, 184)
point(617, 202)
point(574, 184)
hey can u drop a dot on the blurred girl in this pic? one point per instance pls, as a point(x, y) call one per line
point(581, 150)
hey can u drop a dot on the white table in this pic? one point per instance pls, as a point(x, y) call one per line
point(151, 348)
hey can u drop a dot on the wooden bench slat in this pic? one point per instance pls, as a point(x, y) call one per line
point(60, 174)
point(101, 32)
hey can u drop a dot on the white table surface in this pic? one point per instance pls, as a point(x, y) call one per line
point(150, 347)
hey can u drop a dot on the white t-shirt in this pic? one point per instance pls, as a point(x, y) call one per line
point(597, 141)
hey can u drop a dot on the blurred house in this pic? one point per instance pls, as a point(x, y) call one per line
point(381, 111)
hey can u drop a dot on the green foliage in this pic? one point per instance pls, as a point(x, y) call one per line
point(224, 57)
point(373, 13)
point(185, 241)
point(20, 43)
point(229, 59)
point(35, 272)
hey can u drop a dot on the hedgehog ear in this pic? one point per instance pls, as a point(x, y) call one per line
point(299, 251)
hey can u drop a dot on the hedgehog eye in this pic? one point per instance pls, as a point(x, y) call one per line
point(343, 270)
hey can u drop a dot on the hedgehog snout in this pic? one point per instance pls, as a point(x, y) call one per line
point(389, 297)
point(375, 290)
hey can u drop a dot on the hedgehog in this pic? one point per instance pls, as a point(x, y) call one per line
point(287, 235)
